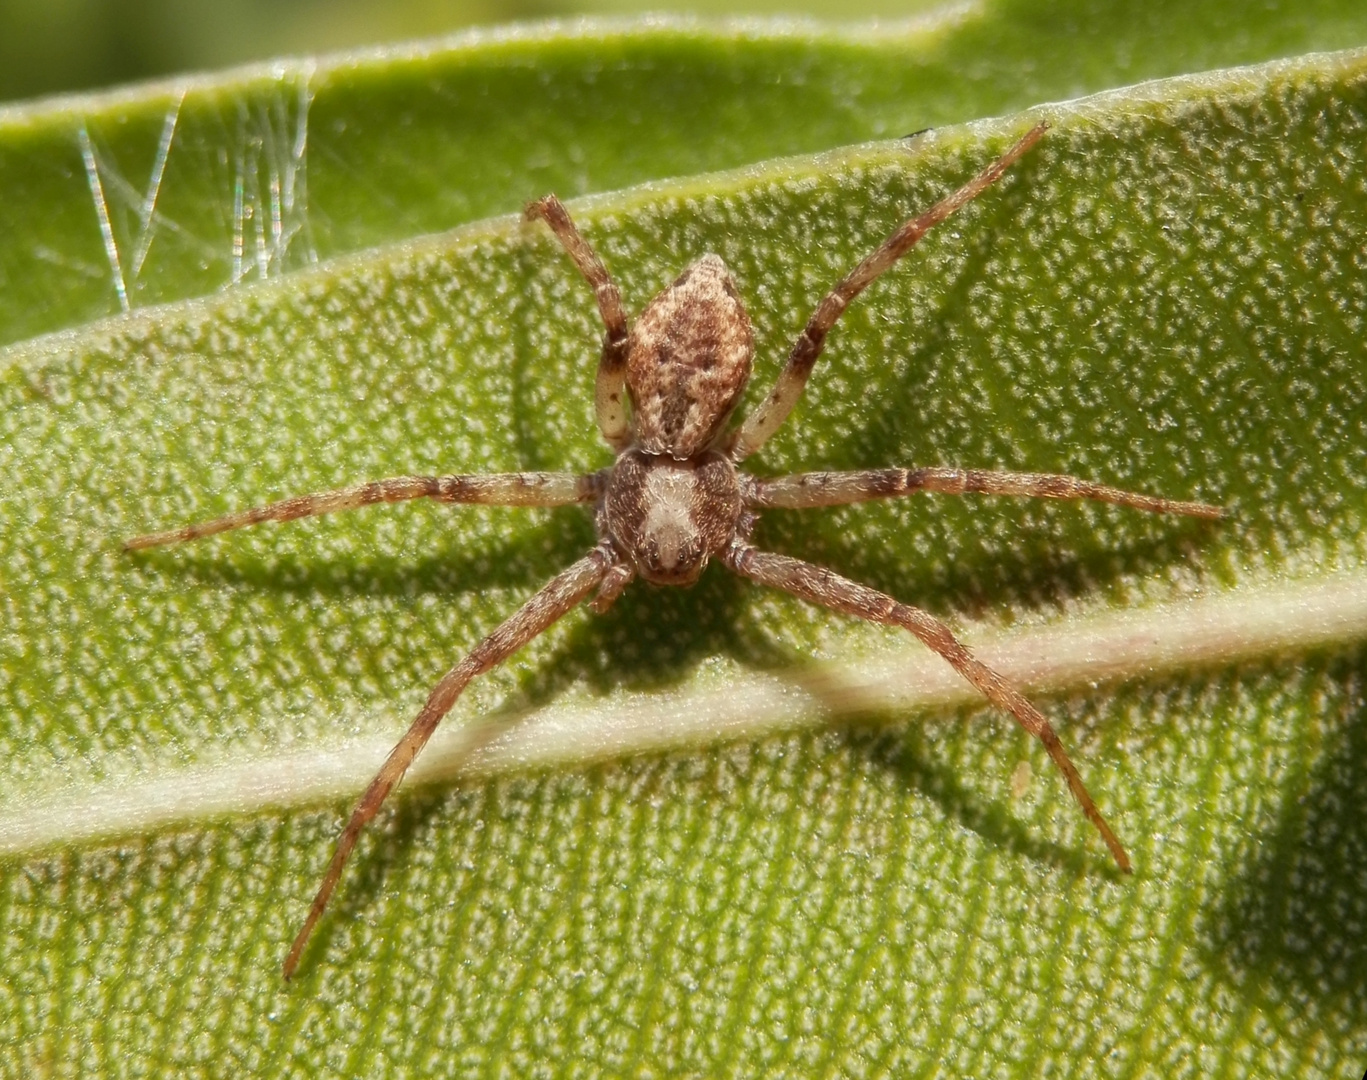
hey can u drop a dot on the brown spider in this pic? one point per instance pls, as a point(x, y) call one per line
point(674, 497)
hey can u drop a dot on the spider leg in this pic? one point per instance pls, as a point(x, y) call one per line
point(774, 409)
point(827, 588)
point(496, 489)
point(609, 403)
point(614, 584)
point(556, 598)
point(803, 490)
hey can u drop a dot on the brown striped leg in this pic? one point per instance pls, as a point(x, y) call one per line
point(829, 589)
point(774, 409)
point(555, 599)
point(802, 490)
point(495, 489)
point(609, 391)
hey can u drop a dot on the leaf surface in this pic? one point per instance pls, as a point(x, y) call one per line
point(880, 876)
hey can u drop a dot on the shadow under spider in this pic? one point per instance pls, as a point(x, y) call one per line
point(1296, 915)
point(653, 637)
point(454, 567)
point(1053, 557)
point(900, 747)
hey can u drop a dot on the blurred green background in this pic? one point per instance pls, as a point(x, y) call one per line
point(50, 46)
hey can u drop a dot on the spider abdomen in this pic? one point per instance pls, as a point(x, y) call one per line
point(688, 360)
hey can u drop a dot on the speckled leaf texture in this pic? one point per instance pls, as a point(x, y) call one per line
point(713, 832)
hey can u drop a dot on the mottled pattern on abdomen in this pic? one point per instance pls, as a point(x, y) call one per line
point(688, 360)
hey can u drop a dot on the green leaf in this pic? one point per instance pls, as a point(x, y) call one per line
point(847, 865)
point(110, 202)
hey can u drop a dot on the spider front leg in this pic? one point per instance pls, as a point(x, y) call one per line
point(805, 490)
point(495, 489)
point(774, 409)
point(609, 389)
point(827, 588)
point(560, 595)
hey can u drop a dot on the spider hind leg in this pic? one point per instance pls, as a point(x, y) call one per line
point(828, 589)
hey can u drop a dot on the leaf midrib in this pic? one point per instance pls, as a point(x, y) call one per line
point(1103, 647)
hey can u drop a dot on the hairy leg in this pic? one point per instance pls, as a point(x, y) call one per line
point(495, 489)
point(802, 490)
point(774, 409)
point(555, 599)
point(829, 589)
point(609, 401)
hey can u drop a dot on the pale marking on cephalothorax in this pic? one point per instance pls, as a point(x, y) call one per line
point(669, 524)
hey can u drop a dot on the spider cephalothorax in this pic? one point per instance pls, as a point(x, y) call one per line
point(667, 517)
point(675, 497)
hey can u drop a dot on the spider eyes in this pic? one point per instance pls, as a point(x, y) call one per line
point(671, 539)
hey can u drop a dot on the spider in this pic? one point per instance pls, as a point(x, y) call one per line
point(675, 498)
